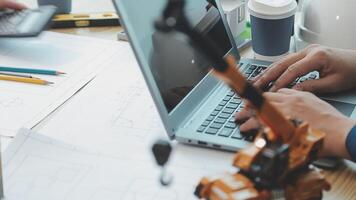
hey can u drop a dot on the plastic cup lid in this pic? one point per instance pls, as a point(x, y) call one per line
point(272, 9)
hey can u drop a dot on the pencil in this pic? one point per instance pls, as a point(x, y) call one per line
point(30, 71)
point(18, 75)
point(24, 80)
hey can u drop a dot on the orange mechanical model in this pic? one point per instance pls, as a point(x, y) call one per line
point(277, 164)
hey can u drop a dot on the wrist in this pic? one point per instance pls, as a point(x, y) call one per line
point(345, 130)
point(335, 141)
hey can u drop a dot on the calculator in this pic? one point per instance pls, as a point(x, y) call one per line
point(25, 23)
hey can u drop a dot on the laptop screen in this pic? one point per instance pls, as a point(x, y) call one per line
point(176, 67)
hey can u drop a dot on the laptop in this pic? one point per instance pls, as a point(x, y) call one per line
point(195, 107)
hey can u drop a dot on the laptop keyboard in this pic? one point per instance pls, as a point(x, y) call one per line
point(221, 121)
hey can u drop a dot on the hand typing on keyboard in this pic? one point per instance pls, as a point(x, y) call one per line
point(318, 113)
point(11, 5)
point(337, 72)
point(336, 67)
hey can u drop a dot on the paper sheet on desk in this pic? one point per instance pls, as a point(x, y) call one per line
point(41, 168)
point(118, 110)
point(81, 58)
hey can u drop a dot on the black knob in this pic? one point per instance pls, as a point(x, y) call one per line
point(162, 150)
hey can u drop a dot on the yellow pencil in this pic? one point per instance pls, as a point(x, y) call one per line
point(24, 80)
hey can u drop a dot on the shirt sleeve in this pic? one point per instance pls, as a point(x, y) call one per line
point(351, 143)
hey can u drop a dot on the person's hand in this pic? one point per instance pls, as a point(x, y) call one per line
point(319, 114)
point(336, 67)
point(11, 5)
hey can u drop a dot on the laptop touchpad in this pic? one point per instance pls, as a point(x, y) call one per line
point(344, 108)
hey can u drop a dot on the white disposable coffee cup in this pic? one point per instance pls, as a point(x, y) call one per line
point(272, 24)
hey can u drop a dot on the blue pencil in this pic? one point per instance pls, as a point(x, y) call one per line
point(30, 71)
